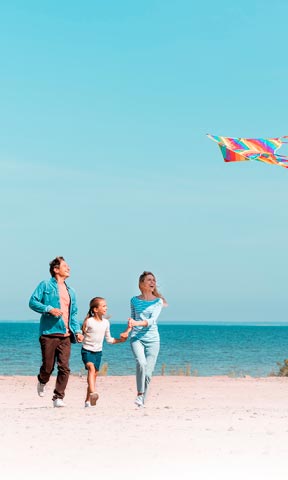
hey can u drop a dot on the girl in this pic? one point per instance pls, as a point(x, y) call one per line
point(144, 339)
point(95, 327)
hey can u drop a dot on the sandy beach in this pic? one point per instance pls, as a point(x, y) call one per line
point(196, 427)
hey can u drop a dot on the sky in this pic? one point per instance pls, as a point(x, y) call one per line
point(104, 111)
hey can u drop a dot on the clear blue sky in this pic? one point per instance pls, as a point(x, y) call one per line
point(104, 110)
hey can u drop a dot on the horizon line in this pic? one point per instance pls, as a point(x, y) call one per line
point(185, 322)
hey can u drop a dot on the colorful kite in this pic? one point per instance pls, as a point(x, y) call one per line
point(244, 149)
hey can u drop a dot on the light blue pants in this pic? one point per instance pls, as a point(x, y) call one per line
point(145, 354)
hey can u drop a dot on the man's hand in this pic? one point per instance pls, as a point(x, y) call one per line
point(56, 312)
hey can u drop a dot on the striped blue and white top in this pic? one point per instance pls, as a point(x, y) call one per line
point(148, 310)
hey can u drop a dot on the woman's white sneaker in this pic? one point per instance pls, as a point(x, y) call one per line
point(139, 401)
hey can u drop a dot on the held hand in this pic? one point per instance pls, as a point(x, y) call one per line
point(56, 312)
point(124, 335)
point(79, 337)
point(123, 338)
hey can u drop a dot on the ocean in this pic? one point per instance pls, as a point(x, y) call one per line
point(186, 349)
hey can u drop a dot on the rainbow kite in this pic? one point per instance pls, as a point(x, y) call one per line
point(244, 149)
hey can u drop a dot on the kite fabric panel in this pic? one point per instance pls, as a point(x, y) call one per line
point(245, 149)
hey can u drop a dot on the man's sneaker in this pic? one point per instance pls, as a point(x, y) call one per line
point(87, 404)
point(93, 399)
point(41, 389)
point(139, 401)
point(58, 402)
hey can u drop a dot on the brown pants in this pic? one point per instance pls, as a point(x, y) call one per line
point(54, 349)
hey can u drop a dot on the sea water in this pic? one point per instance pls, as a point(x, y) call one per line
point(186, 349)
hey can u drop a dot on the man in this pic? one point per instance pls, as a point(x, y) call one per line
point(59, 326)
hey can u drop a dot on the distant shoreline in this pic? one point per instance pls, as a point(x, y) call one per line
point(183, 323)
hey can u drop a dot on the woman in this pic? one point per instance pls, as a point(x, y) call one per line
point(144, 339)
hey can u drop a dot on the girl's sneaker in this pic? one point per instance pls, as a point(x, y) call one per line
point(93, 398)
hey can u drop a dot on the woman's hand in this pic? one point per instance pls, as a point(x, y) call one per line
point(131, 323)
point(122, 338)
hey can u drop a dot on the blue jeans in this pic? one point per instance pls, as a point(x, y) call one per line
point(145, 354)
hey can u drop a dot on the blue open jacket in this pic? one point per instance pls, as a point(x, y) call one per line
point(43, 299)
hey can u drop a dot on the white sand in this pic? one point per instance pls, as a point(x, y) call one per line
point(192, 427)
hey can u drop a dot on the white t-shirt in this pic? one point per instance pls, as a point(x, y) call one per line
point(96, 331)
